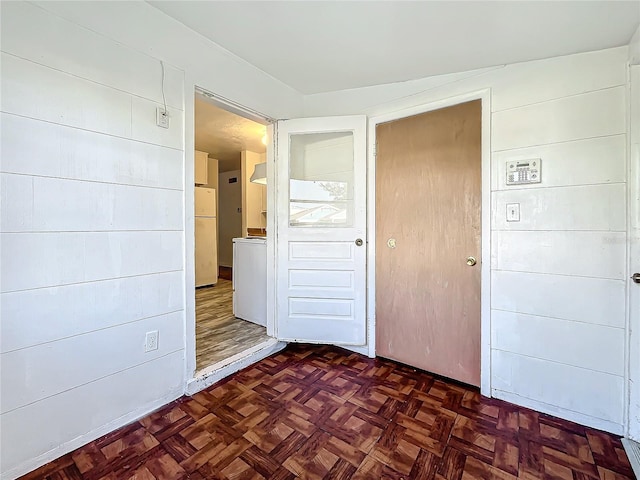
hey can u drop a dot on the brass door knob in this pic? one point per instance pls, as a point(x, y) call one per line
point(471, 261)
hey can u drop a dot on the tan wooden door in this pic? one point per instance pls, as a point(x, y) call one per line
point(428, 197)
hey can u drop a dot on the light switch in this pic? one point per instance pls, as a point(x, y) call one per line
point(513, 212)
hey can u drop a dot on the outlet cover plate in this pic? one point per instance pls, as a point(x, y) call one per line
point(162, 117)
point(151, 341)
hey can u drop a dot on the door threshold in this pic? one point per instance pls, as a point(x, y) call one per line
point(632, 449)
point(214, 373)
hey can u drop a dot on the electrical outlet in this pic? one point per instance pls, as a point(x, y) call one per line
point(162, 117)
point(151, 341)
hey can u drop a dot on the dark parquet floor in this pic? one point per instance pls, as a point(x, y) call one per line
point(321, 412)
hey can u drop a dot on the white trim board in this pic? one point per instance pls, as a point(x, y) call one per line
point(485, 274)
point(632, 449)
point(632, 350)
point(206, 377)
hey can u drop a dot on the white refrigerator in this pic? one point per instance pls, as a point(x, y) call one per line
point(206, 225)
point(250, 279)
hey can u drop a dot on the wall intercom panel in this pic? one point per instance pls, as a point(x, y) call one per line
point(522, 172)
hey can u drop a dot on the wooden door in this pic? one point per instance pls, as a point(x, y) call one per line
point(428, 198)
point(321, 221)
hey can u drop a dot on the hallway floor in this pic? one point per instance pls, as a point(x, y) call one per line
point(219, 335)
point(322, 412)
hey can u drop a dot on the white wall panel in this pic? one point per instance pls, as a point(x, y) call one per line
point(52, 204)
point(512, 85)
point(594, 114)
point(34, 91)
point(585, 299)
point(31, 374)
point(581, 390)
point(591, 207)
point(69, 152)
point(35, 260)
point(581, 162)
point(539, 81)
point(32, 317)
point(59, 424)
point(563, 341)
point(206, 64)
point(589, 254)
point(35, 35)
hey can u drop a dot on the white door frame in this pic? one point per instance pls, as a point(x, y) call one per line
point(485, 272)
point(193, 377)
point(632, 360)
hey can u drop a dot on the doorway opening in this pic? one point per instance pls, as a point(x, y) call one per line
point(230, 234)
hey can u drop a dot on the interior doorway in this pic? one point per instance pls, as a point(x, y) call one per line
point(428, 240)
point(228, 206)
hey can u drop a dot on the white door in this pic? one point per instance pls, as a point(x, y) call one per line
point(321, 237)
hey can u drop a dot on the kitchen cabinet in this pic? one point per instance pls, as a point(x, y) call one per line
point(201, 168)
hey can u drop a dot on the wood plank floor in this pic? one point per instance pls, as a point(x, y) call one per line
point(321, 412)
point(219, 335)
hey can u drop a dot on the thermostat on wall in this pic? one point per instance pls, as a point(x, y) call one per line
point(521, 172)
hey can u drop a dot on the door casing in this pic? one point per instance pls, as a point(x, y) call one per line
point(632, 350)
point(485, 273)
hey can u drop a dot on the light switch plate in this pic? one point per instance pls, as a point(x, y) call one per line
point(513, 212)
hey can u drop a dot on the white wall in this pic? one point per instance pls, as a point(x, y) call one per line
point(94, 234)
point(252, 193)
point(229, 215)
point(634, 48)
point(135, 24)
point(558, 275)
point(92, 238)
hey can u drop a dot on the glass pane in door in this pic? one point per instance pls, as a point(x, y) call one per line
point(321, 179)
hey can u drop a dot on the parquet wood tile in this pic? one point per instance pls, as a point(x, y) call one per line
point(318, 412)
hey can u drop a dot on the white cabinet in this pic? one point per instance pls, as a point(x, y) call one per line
point(201, 168)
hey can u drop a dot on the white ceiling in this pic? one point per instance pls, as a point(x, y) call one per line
point(223, 135)
point(319, 46)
